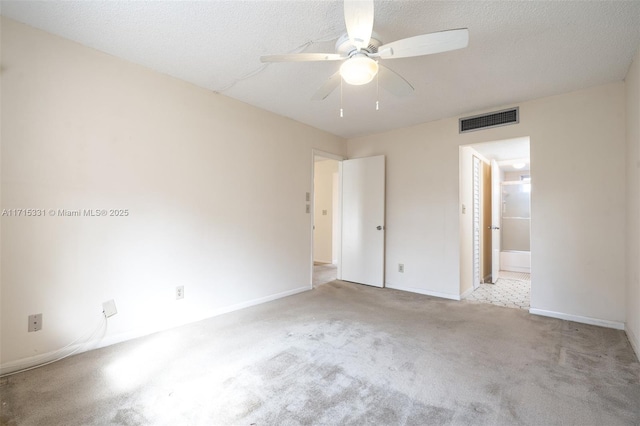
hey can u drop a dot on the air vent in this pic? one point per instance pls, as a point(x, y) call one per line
point(493, 119)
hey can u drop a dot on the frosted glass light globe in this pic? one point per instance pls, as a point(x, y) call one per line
point(358, 70)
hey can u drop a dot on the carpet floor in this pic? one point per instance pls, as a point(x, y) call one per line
point(344, 354)
point(324, 273)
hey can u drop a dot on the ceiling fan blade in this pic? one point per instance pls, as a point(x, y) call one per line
point(425, 44)
point(329, 86)
point(303, 57)
point(393, 82)
point(358, 17)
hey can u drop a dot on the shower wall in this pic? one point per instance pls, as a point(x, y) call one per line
point(516, 216)
point(516, 225)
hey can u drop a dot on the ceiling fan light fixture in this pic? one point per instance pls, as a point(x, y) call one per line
point(358, 70)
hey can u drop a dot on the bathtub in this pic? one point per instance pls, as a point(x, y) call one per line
point(515, 261)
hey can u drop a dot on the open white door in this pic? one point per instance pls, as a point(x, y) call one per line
point(496, 210)
point(362, 254)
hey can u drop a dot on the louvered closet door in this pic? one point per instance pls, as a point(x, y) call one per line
point(476, 222)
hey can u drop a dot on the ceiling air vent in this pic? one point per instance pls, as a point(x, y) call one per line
point(493, 119)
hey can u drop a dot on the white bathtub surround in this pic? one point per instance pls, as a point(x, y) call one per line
point(515, 261)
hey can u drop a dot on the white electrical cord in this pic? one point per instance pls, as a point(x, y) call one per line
point(102, 327)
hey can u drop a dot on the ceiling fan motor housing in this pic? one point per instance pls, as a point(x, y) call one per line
point(346, 48)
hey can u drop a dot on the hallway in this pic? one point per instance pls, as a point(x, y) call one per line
point(324, 273)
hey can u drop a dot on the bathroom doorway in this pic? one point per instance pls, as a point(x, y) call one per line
point(495, 224)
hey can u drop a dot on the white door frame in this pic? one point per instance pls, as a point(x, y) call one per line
point(318, 153)
point(496, 217)
point(466, 237)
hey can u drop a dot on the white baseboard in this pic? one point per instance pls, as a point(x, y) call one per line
point(423, 291)
point(259, 301)
point(633, 339)
point(123, 337)
point(21, 364)
point(32, 361)
point(577, 318)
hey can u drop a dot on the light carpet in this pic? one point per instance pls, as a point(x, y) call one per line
point(344, 354)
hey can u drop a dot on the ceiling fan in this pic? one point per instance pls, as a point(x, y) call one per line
point(360, 49)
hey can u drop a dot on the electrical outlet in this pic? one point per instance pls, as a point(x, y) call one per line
point(35, 322)
point(109, 308)
point(180, 292)
point(401, 267)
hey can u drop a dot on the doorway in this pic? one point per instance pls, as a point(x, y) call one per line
point(325, 218)
point(495, 214)
point(347, 216)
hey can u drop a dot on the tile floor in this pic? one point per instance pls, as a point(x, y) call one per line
point(512, 290)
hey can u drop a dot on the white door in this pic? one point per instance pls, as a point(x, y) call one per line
point(496, 209)
point(362, 254)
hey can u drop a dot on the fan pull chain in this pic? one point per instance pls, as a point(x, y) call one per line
point(341, 110)
point(378, 91)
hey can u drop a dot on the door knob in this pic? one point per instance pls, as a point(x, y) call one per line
point(379, 228)
point(493, 227)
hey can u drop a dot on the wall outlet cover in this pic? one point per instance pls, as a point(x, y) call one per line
point(35, 322)
point(109, 308)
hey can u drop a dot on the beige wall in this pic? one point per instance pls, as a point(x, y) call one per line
point(323, 201)
point(632, 83)
point(215, 191)
point(578, 202)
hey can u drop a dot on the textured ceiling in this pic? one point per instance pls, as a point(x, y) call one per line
point(518, 50)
